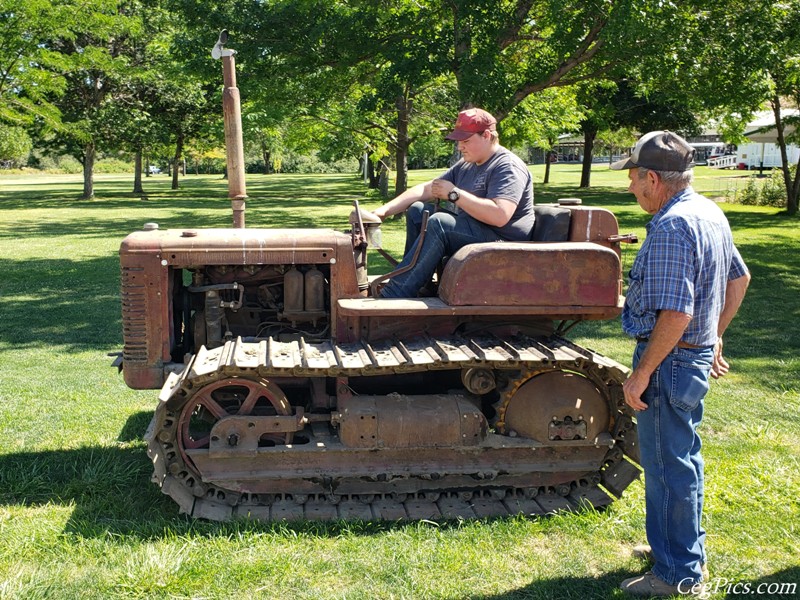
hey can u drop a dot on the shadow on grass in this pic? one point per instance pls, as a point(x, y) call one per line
point(109, 487)
point(781, 584)
point(194, 192)
point(568, 588)
point(69, 303)
point(69, 218)
point(294, 214)
point(111, 492)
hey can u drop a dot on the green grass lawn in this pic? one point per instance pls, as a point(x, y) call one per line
point(80, 519)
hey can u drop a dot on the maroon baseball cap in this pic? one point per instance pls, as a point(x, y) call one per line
point(470, 122)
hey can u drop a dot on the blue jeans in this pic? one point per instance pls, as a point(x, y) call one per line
point(414, 222)
point(673, 466)
point(446, 233)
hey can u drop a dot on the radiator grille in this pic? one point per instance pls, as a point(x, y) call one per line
point(134, 315)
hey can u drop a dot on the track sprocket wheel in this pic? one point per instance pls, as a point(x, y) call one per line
point(540, 398)
point(227, 397)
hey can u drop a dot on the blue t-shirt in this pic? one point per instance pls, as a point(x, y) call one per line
point(684, 265)
point(504, 176)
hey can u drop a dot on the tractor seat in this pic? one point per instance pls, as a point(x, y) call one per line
point(551, 224)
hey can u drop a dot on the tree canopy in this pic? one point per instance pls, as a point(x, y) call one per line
point(356, 77)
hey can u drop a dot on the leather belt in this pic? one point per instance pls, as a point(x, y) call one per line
point(681, 344)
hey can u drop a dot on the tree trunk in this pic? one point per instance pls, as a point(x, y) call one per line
point(794, 194)
point(383, 183)
point(589, 134)
point(791, 191)
point(137, 173)
point(462, 50)
point(404, 104)
point(88, 170)
point(147, 166)
point(373, 177)
point(266, 155)
point(177, 161)
point(547, 160)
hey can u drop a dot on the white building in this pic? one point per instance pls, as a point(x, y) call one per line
point(763, 149)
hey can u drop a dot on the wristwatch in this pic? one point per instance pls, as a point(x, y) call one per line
point(453, 195)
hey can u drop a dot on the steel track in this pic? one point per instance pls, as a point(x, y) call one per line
point(516, 356)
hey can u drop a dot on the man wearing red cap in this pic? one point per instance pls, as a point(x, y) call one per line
point(491, 189)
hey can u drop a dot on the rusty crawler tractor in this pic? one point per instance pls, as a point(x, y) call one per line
point(291, 391)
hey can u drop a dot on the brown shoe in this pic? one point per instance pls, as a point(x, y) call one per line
point(645, 552)
point(650, 586)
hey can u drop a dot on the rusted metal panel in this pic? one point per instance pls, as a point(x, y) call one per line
point(245, 432)
point(424, 310)
point(592, 224)
point(263, 471)
point(556, 406)
point(146, 320)
point(243, 246)
point(532, 274)
point(398, 421)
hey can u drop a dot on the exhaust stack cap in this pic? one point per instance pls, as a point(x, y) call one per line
point(149, 226)
point(218, 51)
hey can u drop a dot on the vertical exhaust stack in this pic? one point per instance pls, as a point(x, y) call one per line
point(234, 147)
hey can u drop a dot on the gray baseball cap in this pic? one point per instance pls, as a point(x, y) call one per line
point(659, 151)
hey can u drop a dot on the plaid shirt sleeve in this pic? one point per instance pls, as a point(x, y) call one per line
point(668, 282)
point(738, 268)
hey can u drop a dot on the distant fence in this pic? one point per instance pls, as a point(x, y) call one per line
point(729, 161)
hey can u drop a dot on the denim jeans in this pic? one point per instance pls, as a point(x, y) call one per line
point(414, 222)
point(446, 233)
point(673, 466)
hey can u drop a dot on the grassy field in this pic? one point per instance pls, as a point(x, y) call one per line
point(80, 519)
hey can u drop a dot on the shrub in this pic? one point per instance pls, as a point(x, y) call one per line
point(113, 165)
point(293, 163)
point(59, 164)
point(770, 191)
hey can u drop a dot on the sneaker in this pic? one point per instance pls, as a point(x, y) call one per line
point(650, 586)
point(645, 552)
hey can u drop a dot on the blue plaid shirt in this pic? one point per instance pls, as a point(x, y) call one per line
point(683, 265)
